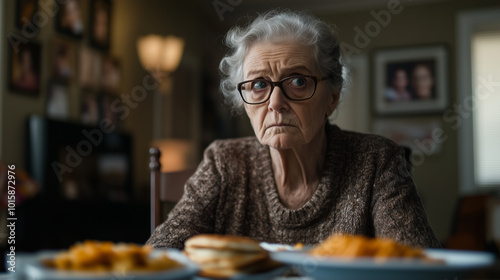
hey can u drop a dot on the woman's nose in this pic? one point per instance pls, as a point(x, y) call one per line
point(278, 102)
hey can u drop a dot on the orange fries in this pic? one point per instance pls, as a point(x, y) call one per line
point(359, 246)
point(110, 257)
point(298, 246)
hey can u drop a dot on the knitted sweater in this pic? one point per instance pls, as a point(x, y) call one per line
point(365, 189)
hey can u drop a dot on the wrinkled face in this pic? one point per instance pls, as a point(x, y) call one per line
point(422, 81)
point(282, 123)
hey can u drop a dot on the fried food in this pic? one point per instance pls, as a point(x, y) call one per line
point(298, 246)
point(352, 246)
point(95, 256)
point(221, 256)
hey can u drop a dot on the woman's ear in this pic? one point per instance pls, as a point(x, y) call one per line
point(334, 101)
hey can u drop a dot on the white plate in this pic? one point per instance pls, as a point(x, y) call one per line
point(274, 247)
point(455, 264)
point(35, 270)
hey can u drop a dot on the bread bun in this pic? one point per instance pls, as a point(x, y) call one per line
point(212, 258)
point(222, 256)
point(226, 242)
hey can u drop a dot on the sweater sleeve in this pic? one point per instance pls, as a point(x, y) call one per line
point(397, 210)
point(195, 211)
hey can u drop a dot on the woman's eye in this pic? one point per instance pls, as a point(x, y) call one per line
point(259, 85)
point(298, 82)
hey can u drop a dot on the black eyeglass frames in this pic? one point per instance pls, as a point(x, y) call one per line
point(296, 88)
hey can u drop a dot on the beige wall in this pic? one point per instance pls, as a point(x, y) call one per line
point(16, 107)
point(437, 177)
point(133, 19)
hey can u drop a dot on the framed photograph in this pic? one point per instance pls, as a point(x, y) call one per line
point(100, 18)
point(25, 11)
point(111, 75)
point(63, 57)
point(89, 108)
point(419, 135)
point(410, 80)
point(24, 68)
point(90, 68)
point(107, 110)
point(69, 19)
point(57, 101)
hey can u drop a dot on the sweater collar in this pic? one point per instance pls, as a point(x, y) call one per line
point(321, 200)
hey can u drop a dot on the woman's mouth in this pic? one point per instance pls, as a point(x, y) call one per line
point(279, 125)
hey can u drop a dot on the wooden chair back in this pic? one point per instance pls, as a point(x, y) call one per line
point(166, 187)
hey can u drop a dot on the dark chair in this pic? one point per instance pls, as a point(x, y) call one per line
point(474, 222)
point(166, 188)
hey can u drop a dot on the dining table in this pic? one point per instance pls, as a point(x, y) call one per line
point(489, 272)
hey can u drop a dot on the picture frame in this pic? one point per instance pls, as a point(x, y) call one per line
point(58, 101)
point(62, 60)
point(89, 114)
point(110, 74)
point(410, 80)
point(70, 18)
point(25, 9)
point(24, 68)
point(417, 134)
point(100, 23)
point(89, 68)
point(107, 108)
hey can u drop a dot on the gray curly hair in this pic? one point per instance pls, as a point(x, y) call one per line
point(278, 25)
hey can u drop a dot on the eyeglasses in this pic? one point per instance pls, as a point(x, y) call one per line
point(296, 88)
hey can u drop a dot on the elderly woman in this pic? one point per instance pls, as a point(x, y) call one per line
point(300, 179)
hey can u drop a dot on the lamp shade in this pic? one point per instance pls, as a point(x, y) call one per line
point(176, 154)
point(158, 53)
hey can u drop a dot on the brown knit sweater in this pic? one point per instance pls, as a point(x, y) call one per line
point(365, 189)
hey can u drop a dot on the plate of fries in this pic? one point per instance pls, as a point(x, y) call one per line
point(356, 257)
point(107, 260)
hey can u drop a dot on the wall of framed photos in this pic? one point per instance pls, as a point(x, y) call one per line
point(56, 46)
point(75, 59)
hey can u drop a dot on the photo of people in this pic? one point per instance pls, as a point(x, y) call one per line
point(100, 23)
point(25, 68)
point(397, 89)
point(410, 81)
point(422, 81)
point(63, 58)
point(25, 11)
point(70, 19)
